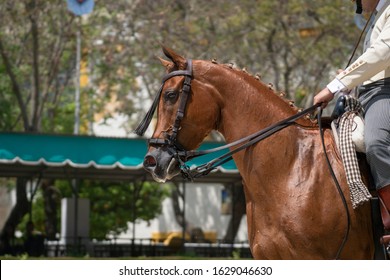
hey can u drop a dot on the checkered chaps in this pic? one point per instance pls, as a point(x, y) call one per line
point(358, 191)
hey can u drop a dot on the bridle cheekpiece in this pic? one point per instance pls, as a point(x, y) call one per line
point(169, 140)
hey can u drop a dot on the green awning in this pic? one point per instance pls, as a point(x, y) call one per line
point(68, 156)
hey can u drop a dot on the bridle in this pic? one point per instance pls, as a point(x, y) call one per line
point(182, 155)
point(170, 140)
point(144, 124)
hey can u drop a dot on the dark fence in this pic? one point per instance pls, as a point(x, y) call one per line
point(147, 248)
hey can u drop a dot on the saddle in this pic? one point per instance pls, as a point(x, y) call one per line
point(383, 195)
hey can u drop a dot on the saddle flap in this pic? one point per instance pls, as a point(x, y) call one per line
point(384, 199)
point(385, 215)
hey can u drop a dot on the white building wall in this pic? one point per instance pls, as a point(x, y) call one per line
point(7, 201)
point(68, 217)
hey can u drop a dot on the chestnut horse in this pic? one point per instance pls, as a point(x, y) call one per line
point(294, 210)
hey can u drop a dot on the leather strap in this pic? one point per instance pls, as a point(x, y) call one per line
point(385, 240)
point(144, 124)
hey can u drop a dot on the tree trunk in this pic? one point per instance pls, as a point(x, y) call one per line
point(36, 89)
point(21, 208)
point(51, 197)
point(238, 212)
point(179, 213)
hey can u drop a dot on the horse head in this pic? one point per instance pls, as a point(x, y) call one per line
point(186, 113)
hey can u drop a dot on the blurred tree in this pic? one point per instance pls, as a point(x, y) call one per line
point(33, 46)
point(37, 62)
point(113, 205)
point(292, 44)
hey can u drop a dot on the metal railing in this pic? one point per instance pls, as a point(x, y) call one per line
point(116, 248)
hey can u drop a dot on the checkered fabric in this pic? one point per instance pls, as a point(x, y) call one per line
point(358, 191)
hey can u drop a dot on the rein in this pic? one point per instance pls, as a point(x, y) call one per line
point(340, 191)
point(359, 10)
point(204, 169)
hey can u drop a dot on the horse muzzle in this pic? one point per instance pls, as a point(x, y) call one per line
point(161, 164)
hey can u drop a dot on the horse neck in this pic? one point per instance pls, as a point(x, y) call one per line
point(247, 105)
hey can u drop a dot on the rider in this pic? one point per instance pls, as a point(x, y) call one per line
point(371, 73)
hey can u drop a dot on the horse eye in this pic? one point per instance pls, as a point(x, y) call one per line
point(170, 95)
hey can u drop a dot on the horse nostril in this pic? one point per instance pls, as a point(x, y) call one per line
point(149, 161)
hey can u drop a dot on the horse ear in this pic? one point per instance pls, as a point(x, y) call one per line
point(179, 61)
point(167, 64)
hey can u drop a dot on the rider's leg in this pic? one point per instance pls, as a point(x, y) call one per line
point(377, 140)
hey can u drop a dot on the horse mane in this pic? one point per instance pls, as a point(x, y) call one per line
point(281, 95)
point(258, 78)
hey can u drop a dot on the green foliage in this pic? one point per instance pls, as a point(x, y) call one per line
point(263, 36)
point(38, 216)
point(113, 205)
point(120, 42)
point(8, 112)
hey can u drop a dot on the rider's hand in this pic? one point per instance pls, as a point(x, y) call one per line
point(324, 96)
